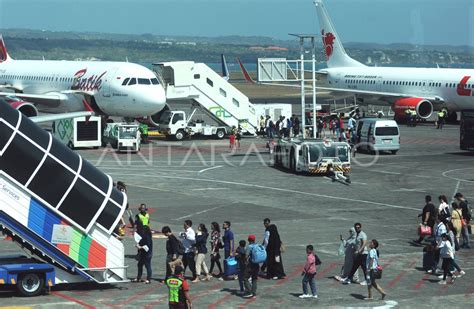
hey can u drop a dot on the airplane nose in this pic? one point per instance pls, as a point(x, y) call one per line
point(157, 99)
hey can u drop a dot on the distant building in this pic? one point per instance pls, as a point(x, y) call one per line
point(186, 43)
point(277, 48)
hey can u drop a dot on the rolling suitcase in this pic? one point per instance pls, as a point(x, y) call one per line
point(230, 267)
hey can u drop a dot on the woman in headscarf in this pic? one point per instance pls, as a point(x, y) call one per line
point(274, 261)
point(349, 245)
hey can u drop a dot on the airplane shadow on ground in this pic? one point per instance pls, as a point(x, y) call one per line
point(358, 296)
point(230, 291)
point(462, 153)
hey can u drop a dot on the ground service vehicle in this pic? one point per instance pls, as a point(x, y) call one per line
point(174, 124)
point(312, 155)
point(59, 208)
point(466, 128)
point(122, 136)
point(79, 132)
point(374, 134)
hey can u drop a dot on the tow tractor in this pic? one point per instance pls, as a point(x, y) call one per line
point(312, 156)
point(175, 124)
point(122, 136)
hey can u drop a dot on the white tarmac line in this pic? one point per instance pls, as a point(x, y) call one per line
point(146, 187)
point(209, 168)
point(151, 170)
point(456, 190)
point(462, 170)
point(209, 189)
point(197, 213)
point(278, 189)
point(409, 190)
point(385, 172)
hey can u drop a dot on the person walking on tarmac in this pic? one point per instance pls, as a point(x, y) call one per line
point(408, 117)
point(441, 118)
point(142, 219)
point(178, 289)
point(412, 117)
point(145, 253)
point(144, 132)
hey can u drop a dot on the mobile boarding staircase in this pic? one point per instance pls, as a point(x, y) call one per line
point(57, 206)
point(187, 80)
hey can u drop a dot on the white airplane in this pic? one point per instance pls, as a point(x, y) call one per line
point(424, 89)
point(79, 88)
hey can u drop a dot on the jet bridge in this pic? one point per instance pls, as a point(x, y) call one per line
point(187, 80)
point(56, 205)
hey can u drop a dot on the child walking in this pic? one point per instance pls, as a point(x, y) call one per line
point(241, 264)
point(309, 274)
point(372, 264)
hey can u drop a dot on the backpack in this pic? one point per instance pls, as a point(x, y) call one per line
point(467, 211)
point(258, 254)
point(445, 213)
point(180, 248)
point(317, 260)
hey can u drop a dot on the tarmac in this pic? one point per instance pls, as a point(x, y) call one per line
point(202, 181)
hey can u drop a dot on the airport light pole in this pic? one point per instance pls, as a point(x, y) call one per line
point(313, 50)
point(302, 38)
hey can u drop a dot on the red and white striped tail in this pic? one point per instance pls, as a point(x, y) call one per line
point(3, 51)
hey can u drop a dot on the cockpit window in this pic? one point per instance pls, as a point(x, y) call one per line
point(133, 81)
point(125, 81)
point(155, 81)
point(143, 81)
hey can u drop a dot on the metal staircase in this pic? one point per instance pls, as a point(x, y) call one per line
point(187, 80)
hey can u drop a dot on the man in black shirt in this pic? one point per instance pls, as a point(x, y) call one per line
point(174, 249)
point(428, 216)
point(466, 215)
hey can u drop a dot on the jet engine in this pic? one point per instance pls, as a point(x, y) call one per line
point(423, 107)
point(26, 108)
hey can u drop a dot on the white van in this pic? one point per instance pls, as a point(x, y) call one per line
point(374, 134)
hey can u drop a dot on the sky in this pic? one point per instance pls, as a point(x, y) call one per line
point(433, 22)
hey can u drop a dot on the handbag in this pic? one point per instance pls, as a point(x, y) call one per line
point(424, 230)
point(463, 222)
point(377, 272)
point(282, 248)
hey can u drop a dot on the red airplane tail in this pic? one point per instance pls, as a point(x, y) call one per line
point(3, 51)
point(245, 73)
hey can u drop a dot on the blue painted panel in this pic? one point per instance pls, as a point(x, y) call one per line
point(36, 217)
point(41, 219)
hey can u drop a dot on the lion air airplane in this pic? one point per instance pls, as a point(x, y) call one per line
point(424, 89)
point(79, 88)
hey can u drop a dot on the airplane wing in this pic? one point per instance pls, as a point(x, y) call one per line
point(389, 97)
point(50, 100)
point(55, 117)
point(10, 87)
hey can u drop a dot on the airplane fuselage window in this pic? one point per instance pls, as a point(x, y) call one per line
point(144, 81)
